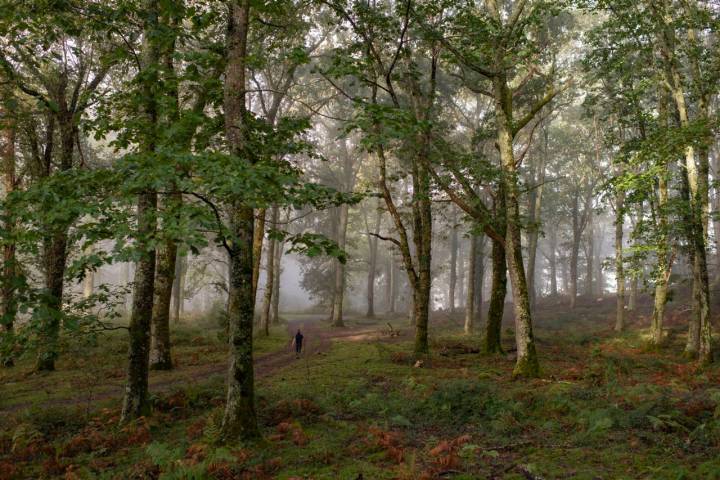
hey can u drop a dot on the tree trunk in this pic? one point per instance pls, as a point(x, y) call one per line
point(372, 266)
point(498, 293)
point(599, 273)
point(663, 269)
point(423, 246)
point(258, 239)
point(135, 401)
point(8, 306)
point(526, 364)
point(470, 299)
point(453, 266)
point(479, 278)
point(619, 262)
point(535, 210)
point(552, 260)
point(178, 289)
point(160, 348)
point(337, 318)
point(575, 249)
point(696, 177)
point(392, 284)
point(716, 216)
point(89, 280)
point(590, 257)
point(56, 259)
point(269, 284)
point(634, 286)
point(55, 264)
point(239, 420)
point(128, 279)
point(279, 248)
point(460, 271)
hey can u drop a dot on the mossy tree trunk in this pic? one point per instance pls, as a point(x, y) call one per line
point(696, 176)
point(498, 292)
point(478, 278)
point(160, 349)
point(239, 419)
point(8, 305)
point(135, 401)
point(527, 364)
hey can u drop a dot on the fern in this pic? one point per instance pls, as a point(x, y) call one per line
point(211, 433)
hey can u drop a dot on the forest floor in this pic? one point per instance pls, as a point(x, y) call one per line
point(355, 406)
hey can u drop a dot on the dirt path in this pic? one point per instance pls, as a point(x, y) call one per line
point(318, 339)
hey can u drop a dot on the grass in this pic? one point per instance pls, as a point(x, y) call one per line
point(95, 368)
point(605, 407)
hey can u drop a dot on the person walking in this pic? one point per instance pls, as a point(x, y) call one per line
point(298, 343)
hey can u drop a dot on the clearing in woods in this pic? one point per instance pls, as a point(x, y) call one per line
point(355, 406)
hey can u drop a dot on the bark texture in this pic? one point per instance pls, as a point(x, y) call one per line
point(493, 327)
point(239, 419)
point(160, 350)
point(135, 401)
point(8, 302)
point(527, 364)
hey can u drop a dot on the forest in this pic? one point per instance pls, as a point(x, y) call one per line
point(359, 239)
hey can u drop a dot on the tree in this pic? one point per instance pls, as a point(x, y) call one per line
point(135, 401)
point(240, 418)
point(396, 125)
point(8, 305)
point(36, 59)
